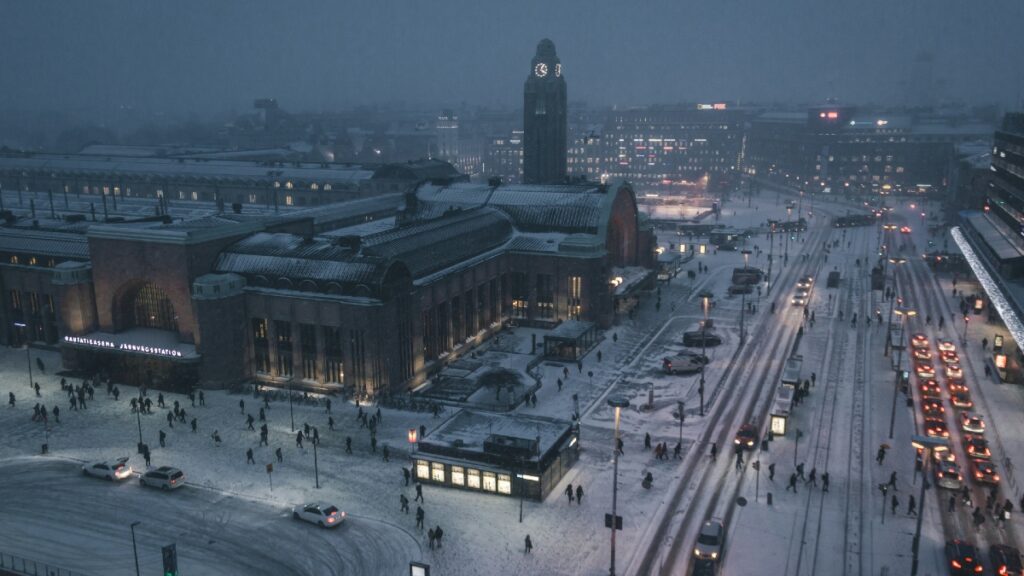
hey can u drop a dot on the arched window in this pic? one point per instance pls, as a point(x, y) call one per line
point(151, 308)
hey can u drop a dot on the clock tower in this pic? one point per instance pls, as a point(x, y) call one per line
point(545, 117)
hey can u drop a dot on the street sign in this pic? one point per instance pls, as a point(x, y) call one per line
point(608, 521)
point(170, 556)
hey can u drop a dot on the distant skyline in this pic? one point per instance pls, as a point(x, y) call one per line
point(202, 59)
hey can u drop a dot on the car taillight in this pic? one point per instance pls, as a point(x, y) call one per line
point(330, 519)
point(1002, 569)
point(978, 568)
point(956, 564)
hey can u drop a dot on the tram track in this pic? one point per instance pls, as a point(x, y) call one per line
point(697, 481)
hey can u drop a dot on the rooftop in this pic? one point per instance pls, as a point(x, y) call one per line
point(468, 430)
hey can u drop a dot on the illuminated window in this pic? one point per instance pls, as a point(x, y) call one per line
point(490, 482)
point(151, 308)
point(288, 200)
point(15, 300)
point(32, 261)
point(14, 259)
point(504, 484)
point(458, 476)
point(575, 296)
point(473, 478)
point(437, 472)
point(422, 469)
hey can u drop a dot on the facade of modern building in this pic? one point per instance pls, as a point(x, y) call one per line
point(841, 149)
point(323, 297)
point(110, 178)
point(545, 118)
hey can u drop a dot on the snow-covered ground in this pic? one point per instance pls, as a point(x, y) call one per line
point(844, 420)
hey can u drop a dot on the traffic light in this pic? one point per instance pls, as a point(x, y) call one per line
point(170, 553)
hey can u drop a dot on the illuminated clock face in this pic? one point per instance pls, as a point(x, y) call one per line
point(540, 70)
point(558, 70)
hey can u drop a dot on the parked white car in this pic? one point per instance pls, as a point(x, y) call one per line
point(113, 470)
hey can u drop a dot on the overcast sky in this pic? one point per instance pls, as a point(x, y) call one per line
point(205, 57)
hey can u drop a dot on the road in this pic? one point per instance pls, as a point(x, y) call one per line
point(51, 512)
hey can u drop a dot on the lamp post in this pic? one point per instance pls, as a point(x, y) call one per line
point(789, 224)
point(679, 403)
point(926, 444)
point(901, 312)
point(291, 412)
point(316, 466)
point(743, 300)
point(771, 252)
point(705, 298)
point(138, 421)
point(967, 320)
point(618, 404)
point(135, 550)
point(28, 352)
point(892, 302)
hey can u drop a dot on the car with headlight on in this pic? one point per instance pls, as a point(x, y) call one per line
point(936, 427)
point(805, 282)
point(949, 357)
point(746, 436)
point(930, 389)
point(800, 298)
point(919, 340)
point(962, 558)
point(954, 372)
point(922, 354)
point(961, 400)
point(905, 229)
point(976, 447)
point(970, 422)
point(118, 469)
point(164, 478)
point(956, 385)
point(1005, 560)
point(932, 407)
point(924, 370)
point(947, 346)
point(322, 514)
point(947, 475)
point(710, 540)
point(984, 472)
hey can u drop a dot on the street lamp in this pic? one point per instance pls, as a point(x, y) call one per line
point(789, 230)
point(901, 312)
point(771, 252)
point(135, 550)
point(967, 320)
point(618, 404)
point(888, 338)
point(743, 300)
point(926, 444)
point(705, 297)
point(28, 352)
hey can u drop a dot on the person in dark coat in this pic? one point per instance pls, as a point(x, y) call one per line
point(579, 494)
point(419, 517)
point(419, 493)
point(404, 502)
point(405, 474)
point(163, 438)
point(437, 534)
point(280, 456)
point(298, 439)
point(569, 492)
point(248, 457)
point(195, 423)
point(529, 544)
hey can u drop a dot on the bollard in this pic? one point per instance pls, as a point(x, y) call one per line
point(769, 498)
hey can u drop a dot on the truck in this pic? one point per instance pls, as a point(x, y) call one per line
point(791, 371)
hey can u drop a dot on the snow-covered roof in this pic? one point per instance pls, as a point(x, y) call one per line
point(44, 243)
point(291, 256)
point(170, 168)
point(468, 430)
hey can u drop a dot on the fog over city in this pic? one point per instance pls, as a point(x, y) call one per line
point(195, 58)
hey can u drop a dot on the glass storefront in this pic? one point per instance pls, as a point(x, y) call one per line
point(504, 484)
point(458, 476)
point(473, 478)
point(422, 469)
point(490, 482)
point(437, 472)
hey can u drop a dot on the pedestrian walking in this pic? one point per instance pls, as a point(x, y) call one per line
point(892, 481)
point(298, 439)
point(146, 456)
point(814, 378)
point(160, 400)
point(330, 423)
point(348, 444)
point(569, 492)
point(404, 502)
point(36, 386)
point(117, 393)
point(263, 415)
point(714, 451)
point(386, 453)
point(194, 425)
point(792, 483)
point(559, 382)
point(10, 399)
point(579, 494)
point(800, 470)
point(771, 472)
point(248, 422)
point(529, 544)
point(824, 482)
point(880, 456)
point(419, 517)
point(677, 451)
point(316, 439)
point(216, 438)
point(328, 405)
point(812, 478)
point(56, 418)
point(739, 459)
point(405, 474)
point(430, 535)
point(911, 506)
point(437, 534)
point(202, 398)
point(170, 420)
point(241, 406)
point(895, 502)
point(373, 443)
point(163, 439)
point(279, 454)
point(248, 457)
point(419, 493)
point(619, 445)
point(305, 430)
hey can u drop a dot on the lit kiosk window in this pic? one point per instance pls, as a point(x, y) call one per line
point(504, 454)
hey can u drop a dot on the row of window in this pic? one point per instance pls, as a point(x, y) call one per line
point(32, 261)
point(332, 368)
point(464, 477)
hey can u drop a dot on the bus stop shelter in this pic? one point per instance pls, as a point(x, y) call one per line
point(570, 340)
